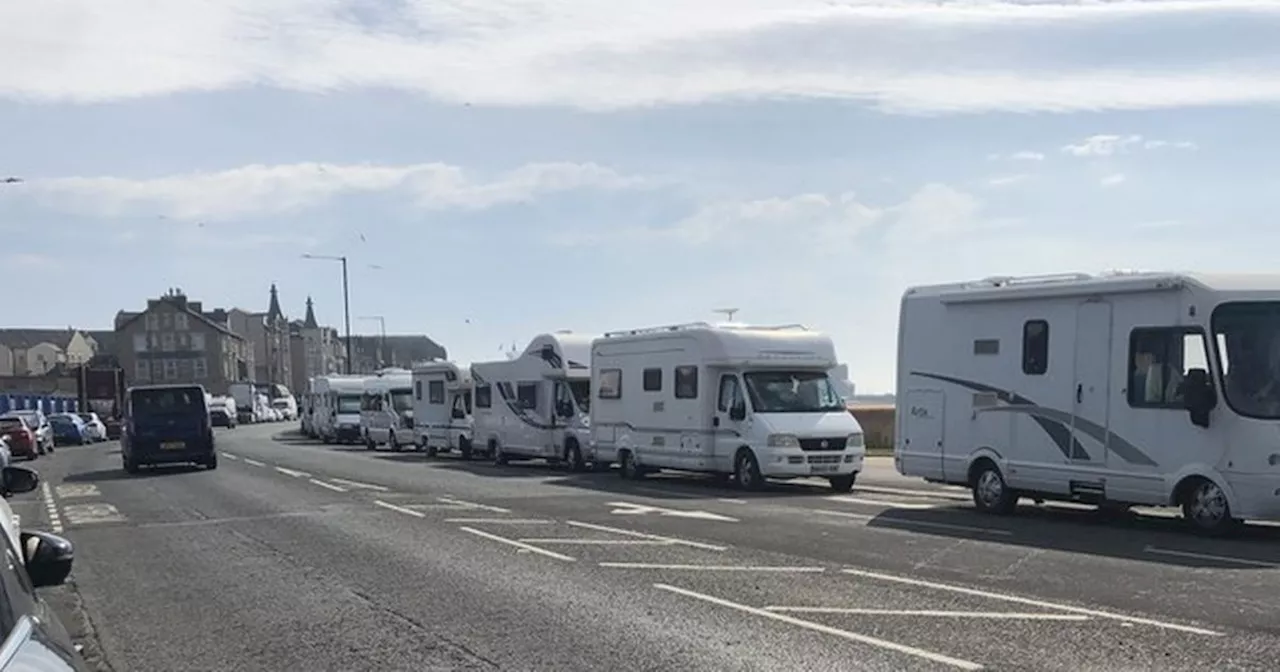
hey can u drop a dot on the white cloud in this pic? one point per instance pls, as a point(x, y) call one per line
point(1114, 180)
point(900, 55)
point(1006, 180)
point(260, 189)
point(1109, 145)
point(1174, 144)
point(1027, 156)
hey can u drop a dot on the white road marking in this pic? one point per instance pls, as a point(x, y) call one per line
point(928, 612)
point(89, 514)
point(826, 629)
point(505, 521)
point(254, 462)
point(711, 568)
point(483, 507)
point(909, 492)
point(642, 535)
point(229, 456)
point(1204, 556)
point(322, 484)
point(633, 509)
point(1032, 602)
point(730, 500)
point(293, 472)
point(399, 509)
point(601, 542)
point(917, 523)
point(517, 544)
point(51, 508)
point(882, 502)
point(358, 484)
point(663, 492)
point(70, 490)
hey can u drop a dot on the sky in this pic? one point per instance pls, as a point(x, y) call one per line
point(495, 169)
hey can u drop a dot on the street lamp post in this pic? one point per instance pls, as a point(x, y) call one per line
point(382, 343)
point(346, 299)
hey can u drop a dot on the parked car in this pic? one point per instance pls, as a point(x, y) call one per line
point(40, 425)
point(68, 429)
point(223, 412)
point(35, 638)
point(97, 428)
point(20, 437)
point(167, 424)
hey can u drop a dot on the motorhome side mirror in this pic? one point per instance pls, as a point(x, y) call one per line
point(458, 414)
point(17, 480)
point(1198, 396)
point(738, 412)
point(47, 557)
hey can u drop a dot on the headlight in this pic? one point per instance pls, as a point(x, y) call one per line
point(783, 441)
point(855, 440)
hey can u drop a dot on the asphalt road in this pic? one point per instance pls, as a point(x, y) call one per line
point(299, 556)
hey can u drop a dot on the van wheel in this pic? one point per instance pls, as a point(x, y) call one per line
point(368, 442)
point(432, 451)
point(499, 457)
point(746, 471)
point(573, 457)
point(1205, 507)
point(990, 492)
point(628, 469)
point(464, 448)
point(211, 462)
point(391, 441)
point(843, 483)
point(130, 465)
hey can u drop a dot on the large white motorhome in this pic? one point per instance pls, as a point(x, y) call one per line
point(755, 402)
point(336, 415)
point(1117, 389)
point(386, 410)
point(535, 405)
point(442, 407)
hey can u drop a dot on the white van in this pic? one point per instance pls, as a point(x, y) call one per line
point(755, 402)
point(535, 405)
point(1116, 389)
point(336, 416)
point(442, 407)
point(386, 409)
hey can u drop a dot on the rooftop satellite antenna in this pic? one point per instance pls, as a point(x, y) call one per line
point(727, 312)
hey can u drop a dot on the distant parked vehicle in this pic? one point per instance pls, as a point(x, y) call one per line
point(68, 430)
point(20, 436)
point(97, 428)
point(222, 412)
point(39, 424)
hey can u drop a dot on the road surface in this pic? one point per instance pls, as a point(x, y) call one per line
point(299, 556)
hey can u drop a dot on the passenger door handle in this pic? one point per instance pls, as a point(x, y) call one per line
point(1079, 392)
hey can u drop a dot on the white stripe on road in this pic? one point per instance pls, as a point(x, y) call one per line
point(601, 542)
point(882, 502)
point(826, 629)
point(358, 484)
point(254, 462)
point(293, 472)
point(909, 522)
point(399, 509)
point(712, 568)
point(1031, 602)
point(1032, 616)
point(505, 521)
point(1204, 556)
point(730, 500)
point(51, 508)
point(642, 535)
point(327, 485)
point(517, 544)
point(483, 507)
point(229, 456)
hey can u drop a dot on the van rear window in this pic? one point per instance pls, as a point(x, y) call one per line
point(167, 400)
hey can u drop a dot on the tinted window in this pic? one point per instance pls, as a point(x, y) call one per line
point(167, 400)
point(484, 396)
point(435, 392)
point(610, 384)
point(652, 380)
point(686, 382)
point(527, 394)
point(1035, 347)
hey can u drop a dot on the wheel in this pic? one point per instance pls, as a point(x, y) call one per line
point(431, 450)
point(843, 483)
point(392, 443)
point(990, 493)
point(499, 457)
point(464, 448)
point(746, 471)
point(1205, 507)
point(368, 442)
point(130, 465)
point(573, 457)
point(211, 462)
point(628, 469)
point(327, 440)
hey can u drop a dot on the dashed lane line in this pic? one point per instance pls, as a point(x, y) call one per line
point(600, 542)
point(51, 508)
point(254, 462)
point(503, 521)
point(316, 481)
point(229, 456)
point(996, 615)
point(293, 472)
point(643, 535)
point(358, 484)
point(712, 568)
point(399, 509)
point(482, 507)
point(517, 544)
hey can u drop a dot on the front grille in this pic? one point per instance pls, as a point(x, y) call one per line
point(824, 459)
point(833, 443)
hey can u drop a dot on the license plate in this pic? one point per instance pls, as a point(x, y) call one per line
point(823, 468)
point(173, 445)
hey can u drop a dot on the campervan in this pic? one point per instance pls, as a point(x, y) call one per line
point(535, 404)
point(386, 409)
point(755, 402)
point(442, 407)
point(336, 416)
point(1116, 390)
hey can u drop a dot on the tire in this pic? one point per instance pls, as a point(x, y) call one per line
point(573, 457)
point(392, 444)
point(746, 471)
point(368, 442)
point(1206, 509)
point(628, 469)
point(499, 457)
point(843, 483)
point(464, 448)
point(130, 466)
point(990, 492)
point(211, 462)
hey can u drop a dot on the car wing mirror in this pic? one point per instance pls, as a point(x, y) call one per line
point(48, 558)
point(17, 480)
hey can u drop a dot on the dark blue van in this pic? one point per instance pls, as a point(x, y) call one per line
point(167, 424)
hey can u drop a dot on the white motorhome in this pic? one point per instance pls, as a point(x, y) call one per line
point(336, 416)
point(1116, 389)
point(246, 401)
point(386, 409)
point(535, 405)
point(752, 401)
point(442, 407)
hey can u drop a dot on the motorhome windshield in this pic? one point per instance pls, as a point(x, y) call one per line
point(402, 400)
point(349, 403)
point(792, 392)
point(581, 390)
point(1247, 337)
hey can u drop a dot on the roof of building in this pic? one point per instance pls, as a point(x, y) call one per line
point(25, 338)
point(274, 314)
point(178, 301)
point(309, 322)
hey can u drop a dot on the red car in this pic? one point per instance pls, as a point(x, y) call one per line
point(21, 438)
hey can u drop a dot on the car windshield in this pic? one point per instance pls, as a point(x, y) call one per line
point(402, 400)
point(349, 404)
point(61, 420)
point(11, 424)
point(1247, 338)
point(87, 417)
point(280, 403)
point(167, 400)
point(792, 392)
point(581, 390)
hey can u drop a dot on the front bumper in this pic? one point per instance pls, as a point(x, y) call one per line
point(799, 464)
point(151, 452)
point(347, 433)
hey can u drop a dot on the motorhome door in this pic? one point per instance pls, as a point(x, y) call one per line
point(1092, 389)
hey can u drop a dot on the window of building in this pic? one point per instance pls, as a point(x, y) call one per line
point(197, 341)
point(167, 341)
point(153, 321)
point(527, 395)
point(1035, 347)
point(435, 392)
point(417, 390)
point(686, 382)
point(484, 396)
point(610, 384)
point(652, 380)
point(142, 371)
point(986, 346)
point(1159, 359)
point(139, 342)
point(199, 368)
point(180, 321)
point(170, 369)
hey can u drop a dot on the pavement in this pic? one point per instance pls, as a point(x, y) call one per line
point(294, 555)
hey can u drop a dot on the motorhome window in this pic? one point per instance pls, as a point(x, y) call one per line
point(527, 395)
point(1247, 337)
point(792, 392)
point(417, 390)
point(435, 392)
point(1035, 347)
point(484, 396)
point(730, 393)
point(581, 390)
point(349, 403)
point(652, 380)
point(986, 346)
point(686, 382)
point(1159, 359)
point(401, 400)
point(610, 384)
